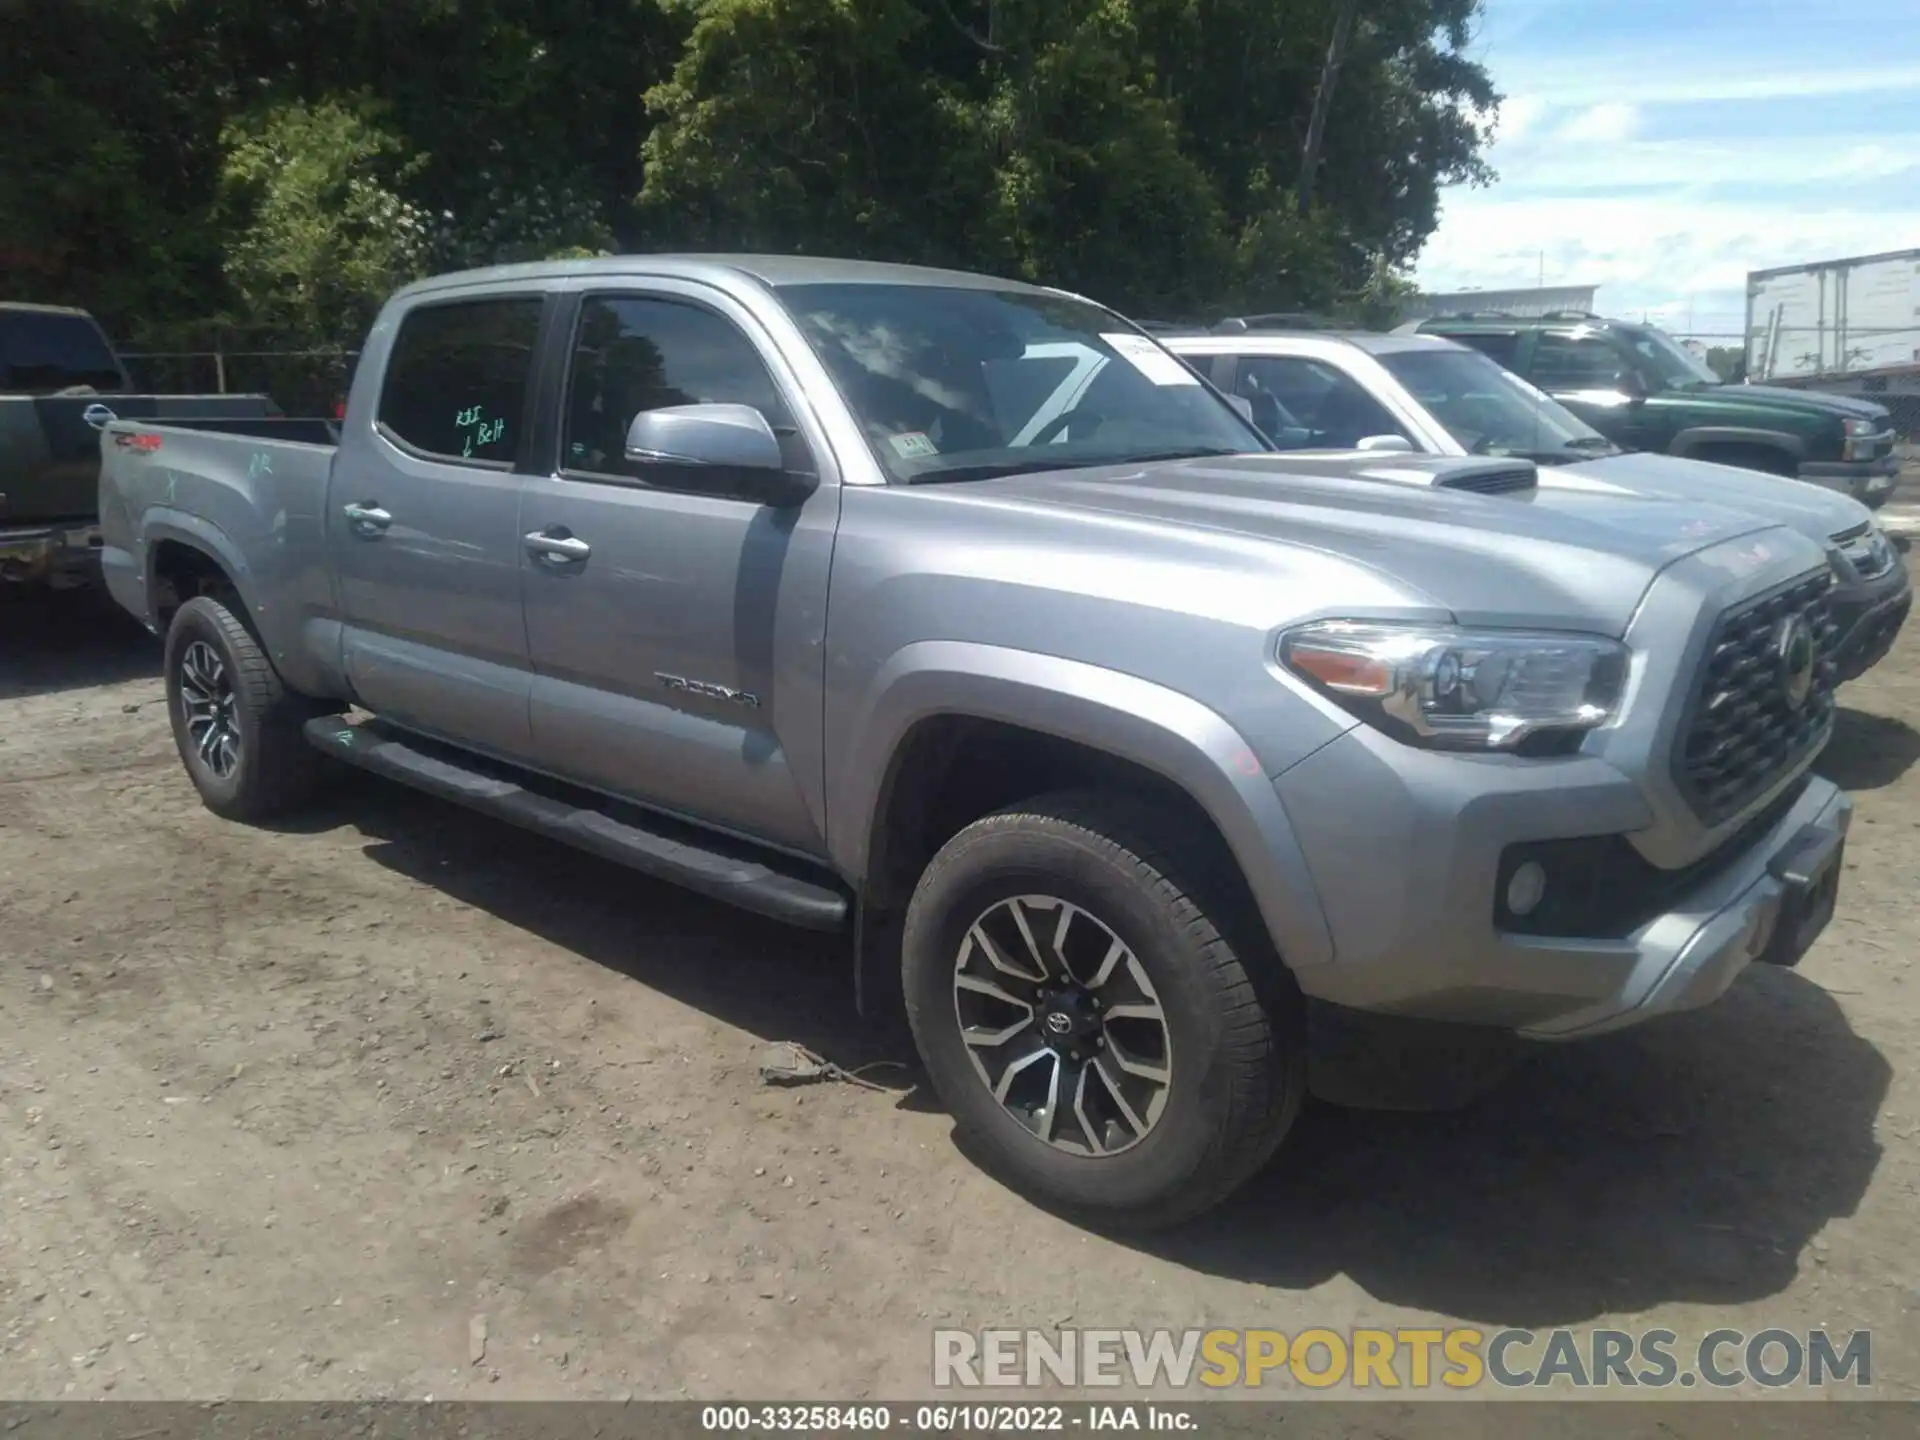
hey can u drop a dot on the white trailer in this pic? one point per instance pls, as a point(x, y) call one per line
point(1835, 318)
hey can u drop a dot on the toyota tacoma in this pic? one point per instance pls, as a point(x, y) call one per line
point(1134, 757)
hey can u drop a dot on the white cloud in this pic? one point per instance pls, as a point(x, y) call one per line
point(1647, 253)
point(1659, 79)
point(1607, 123)
point(1517, 116)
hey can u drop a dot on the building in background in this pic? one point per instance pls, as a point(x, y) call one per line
point(1542, 300)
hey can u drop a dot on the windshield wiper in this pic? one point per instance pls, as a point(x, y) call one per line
point(995, 470)
point(1590, 442)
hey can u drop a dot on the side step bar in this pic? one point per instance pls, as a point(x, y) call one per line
point(714, 865)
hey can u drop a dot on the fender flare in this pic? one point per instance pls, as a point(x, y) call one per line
point(162, 524)
point(1121, 715)
point(1687, 443)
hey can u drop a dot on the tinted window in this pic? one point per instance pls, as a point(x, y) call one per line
point(632, 354)
point(1309, 405)
point(1502, 349)
point(457, 378)
point(41, 353)
point(1576, 362)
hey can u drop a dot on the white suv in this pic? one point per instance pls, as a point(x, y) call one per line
point(1345, 390)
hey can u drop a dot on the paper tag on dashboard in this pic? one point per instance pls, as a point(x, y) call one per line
point(1151, 361)
point(913, 445)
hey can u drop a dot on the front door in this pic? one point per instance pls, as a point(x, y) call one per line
point(1594, 376)
point(676, 637)
point(424, 526)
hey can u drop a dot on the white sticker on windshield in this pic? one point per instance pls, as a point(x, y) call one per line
point(913, 445)
point(1151, 361)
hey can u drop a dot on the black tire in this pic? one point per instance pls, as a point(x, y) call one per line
point(273, 769)
point(1233, 1019)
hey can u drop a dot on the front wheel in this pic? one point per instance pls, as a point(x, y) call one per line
point(235, 723)
point(1081, 983)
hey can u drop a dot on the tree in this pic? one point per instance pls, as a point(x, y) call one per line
point(275, 164)
point(320, 231)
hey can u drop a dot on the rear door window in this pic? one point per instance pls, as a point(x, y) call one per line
point(456, 384)
point(1501, 349)
point(45, 352)
point(1576, 362)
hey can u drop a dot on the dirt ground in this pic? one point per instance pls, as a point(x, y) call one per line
point(401, 1102)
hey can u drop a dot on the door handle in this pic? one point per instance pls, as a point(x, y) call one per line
point(367, 520)
point(561, 548)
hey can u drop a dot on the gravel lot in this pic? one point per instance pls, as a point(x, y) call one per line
point(401, 1102)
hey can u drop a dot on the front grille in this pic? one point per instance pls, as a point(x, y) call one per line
point(1866, 550)
point(1742, 732)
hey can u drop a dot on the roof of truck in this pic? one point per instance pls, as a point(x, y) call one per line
point(43, 309)
point(772, 270)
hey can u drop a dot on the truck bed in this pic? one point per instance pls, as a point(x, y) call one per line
point(50, 449)
point(251, 493)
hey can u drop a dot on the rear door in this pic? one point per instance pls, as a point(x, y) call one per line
point(677, 654)
point(423, 523)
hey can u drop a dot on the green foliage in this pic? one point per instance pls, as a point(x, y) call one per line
point(319, 232)
point(277, 167)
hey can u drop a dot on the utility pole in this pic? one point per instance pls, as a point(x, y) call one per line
point(1323, 98)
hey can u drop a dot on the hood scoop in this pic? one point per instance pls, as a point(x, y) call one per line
point(1496, 476)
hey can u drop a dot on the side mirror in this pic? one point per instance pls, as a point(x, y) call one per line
point(1243, 405)
point(1634, 386)
point(716, 449)
point(1391, 444)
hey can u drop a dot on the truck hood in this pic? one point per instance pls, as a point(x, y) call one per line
point(1776, 398)
point(1815, 512)
point(1556, 558)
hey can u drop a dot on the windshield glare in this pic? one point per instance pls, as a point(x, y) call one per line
point(1489, 410)
point(1677, 367)
point(952, 382)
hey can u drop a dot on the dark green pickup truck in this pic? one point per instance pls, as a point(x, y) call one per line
point(61, 384)
point(1641, 389)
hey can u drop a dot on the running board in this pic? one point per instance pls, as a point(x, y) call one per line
point(718, 867)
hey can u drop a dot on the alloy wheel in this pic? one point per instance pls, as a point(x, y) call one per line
point(1063, 1025)
point(208, 705)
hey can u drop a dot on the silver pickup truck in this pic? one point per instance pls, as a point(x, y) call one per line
point(1137, 759)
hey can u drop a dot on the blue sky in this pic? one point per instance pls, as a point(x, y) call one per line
point(1661, 149)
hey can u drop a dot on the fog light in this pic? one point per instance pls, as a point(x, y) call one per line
point(1526, 889)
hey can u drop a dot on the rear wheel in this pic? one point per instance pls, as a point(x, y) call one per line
point(1082, 988)
point(235, 723)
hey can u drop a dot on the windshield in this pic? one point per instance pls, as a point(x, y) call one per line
point(1676, 367)
point(951, 383)
point(1489, 410)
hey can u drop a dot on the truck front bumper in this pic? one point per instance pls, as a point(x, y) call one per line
point(1868, 481)
point(1870, 615)
point(1416, 920)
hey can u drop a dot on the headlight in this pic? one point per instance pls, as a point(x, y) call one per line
point(1453, 689)
point(1859, 443)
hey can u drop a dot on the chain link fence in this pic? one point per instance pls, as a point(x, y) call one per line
point(301, 382)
